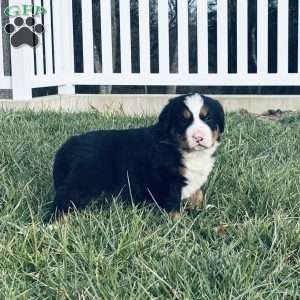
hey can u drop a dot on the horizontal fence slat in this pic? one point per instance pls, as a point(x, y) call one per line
point(106, 36)
point(202, 36)
point(262, 36)
point(211, 79)
point(125, 36)
point(5, 82)
point(242, 36)
point(163, 36)
point(87, 36)
point(222, 32)
point(183, 36)
point(49, 80)
point(144, 36)
point(283, 36)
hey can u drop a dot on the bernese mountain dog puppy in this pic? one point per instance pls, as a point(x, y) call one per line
point(166, 163)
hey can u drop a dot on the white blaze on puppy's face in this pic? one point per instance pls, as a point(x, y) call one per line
point(199, 135)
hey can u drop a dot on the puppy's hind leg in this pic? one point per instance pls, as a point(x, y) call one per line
point(76, 191)
point(65, 200)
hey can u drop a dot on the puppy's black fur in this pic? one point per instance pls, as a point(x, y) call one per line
point(145, 163)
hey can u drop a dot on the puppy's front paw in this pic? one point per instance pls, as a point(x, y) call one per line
point(174, 215)
point(195, 201)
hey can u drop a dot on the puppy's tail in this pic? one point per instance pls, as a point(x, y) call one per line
point(60, 169)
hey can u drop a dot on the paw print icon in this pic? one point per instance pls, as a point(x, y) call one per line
point(24, 32)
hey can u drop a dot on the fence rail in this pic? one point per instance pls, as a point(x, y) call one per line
point(52, 62)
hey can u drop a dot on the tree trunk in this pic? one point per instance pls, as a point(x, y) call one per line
point(174, 58)
point(172, 89)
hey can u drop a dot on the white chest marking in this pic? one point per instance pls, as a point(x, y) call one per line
point(198, 167)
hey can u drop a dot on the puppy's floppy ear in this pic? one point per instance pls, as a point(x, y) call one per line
point(164, 120)
point(220, 116)
point(219, 112)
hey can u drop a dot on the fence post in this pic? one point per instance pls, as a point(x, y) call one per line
point(66, 48)
point(22, 72)
point(22, 67)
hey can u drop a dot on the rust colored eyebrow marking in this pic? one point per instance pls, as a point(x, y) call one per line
point(187, 114)
point(203, 111)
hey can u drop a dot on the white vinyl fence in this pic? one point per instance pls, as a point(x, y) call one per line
point(53, 64)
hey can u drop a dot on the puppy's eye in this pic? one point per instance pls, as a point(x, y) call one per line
point(205, 118)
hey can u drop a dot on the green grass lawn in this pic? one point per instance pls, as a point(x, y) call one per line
point(244, 244)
